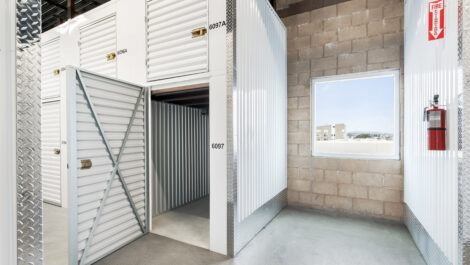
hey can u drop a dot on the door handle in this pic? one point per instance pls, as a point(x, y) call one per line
point(57, 72)
point(57, 151)
point(199, 32)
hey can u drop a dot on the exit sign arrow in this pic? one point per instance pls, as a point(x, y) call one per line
point(436, 20)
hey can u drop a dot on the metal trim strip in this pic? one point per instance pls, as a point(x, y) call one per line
point(231, 125)
point(72, 165)
point(464, 135)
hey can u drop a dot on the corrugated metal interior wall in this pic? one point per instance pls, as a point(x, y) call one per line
point(180, 137)
point(260, 105)
point(431, 177)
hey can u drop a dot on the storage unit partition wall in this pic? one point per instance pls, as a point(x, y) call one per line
point(174, 48)
point(433, 67)
point(257, 95)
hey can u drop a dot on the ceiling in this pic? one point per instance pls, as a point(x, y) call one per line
point(191, 97)
point(55, 12)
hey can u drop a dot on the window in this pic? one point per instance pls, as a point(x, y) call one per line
point(356, 115)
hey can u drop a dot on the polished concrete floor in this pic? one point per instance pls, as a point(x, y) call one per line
point(188, 224)
point(55, 235)
point(294, 237)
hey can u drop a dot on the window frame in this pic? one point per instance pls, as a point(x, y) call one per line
point(395, 73)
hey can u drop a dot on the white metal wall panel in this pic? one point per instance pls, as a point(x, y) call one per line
point(260, 105)
point(171, 50)
point(181, 155)
point(50, 61)
point(97, 40)
point(114, 103)
point(50, 140)
point(431, 177)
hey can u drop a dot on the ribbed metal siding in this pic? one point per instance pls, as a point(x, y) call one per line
point(181, 155)
point(50, 61)
point(171, 50)
point(431, 177)
point(114, 102)
point(50, 139)
point(97, 40)
point(260, 105)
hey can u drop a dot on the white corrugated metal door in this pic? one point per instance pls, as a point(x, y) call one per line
point(98, 47)
point(50, 69)
point(108, 176)
point(50, 140)
point(177, 43)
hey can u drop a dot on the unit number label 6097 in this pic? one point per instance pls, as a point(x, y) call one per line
point(218, 146)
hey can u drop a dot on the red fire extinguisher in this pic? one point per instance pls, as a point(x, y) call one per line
point(436, 118)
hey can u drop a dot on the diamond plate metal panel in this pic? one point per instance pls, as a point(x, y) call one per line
point(464, 166)
point(28, 78)
point(430, 250)
point(464, 169)
point(231, 153)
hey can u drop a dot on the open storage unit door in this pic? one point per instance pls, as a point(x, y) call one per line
point(108, 165)
point(98, 46)
point(177, 41)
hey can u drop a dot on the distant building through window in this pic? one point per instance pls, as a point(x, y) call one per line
point(356, 115)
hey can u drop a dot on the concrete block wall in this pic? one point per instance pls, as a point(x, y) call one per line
point(354, 36)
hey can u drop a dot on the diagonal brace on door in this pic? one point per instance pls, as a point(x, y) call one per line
point(115, 161)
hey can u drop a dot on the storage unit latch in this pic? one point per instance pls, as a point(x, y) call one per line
point(199, 32)
point(111, 56)
point(86, 164)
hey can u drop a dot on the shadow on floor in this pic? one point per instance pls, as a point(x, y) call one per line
point(293, 238)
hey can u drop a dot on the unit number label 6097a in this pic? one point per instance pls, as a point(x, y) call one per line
point(217, 25)
point(218, 146)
